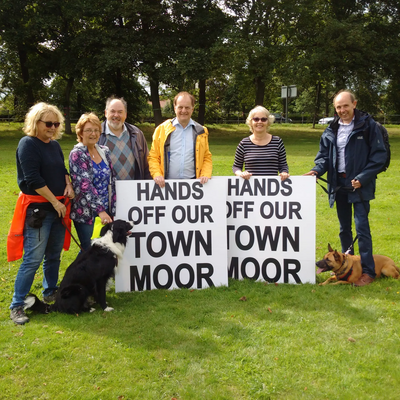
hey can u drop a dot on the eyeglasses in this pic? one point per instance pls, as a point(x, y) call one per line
point(90, 131)
point(263, 119)
point(49, 124)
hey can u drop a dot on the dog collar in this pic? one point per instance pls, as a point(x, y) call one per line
point(346, 276)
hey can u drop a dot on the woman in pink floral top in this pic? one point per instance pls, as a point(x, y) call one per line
point(92, 177)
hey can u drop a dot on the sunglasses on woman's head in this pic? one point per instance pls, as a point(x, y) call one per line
point(263, 119)
point(49, 124)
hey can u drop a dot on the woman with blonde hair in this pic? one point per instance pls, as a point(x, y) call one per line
point(92, 177)
point(37, 226)
point(261, 153)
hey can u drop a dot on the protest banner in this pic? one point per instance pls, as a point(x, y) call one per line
point(179, 237)
point(189, 235)
point(271, 229)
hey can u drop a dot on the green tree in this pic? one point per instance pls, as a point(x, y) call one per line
point(260, 42)
point(20, 52)
point(342, 50)
point(200, 25)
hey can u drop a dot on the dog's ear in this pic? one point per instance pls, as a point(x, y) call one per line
point(105, 229)
point(329, 248)
point(119, 233)
point(336, 256)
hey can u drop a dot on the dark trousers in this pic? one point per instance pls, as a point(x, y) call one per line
point(344, 211)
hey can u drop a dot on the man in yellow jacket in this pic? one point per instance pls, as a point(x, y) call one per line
point(180, 146)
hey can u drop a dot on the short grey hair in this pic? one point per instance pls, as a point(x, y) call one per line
point(121, 99)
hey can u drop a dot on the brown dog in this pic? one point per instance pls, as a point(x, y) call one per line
point(347, 269)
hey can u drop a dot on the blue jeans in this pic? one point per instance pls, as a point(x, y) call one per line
point(361, 210)
point(40, 244)
point(85, 232)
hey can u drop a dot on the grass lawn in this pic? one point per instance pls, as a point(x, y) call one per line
point(283, 342)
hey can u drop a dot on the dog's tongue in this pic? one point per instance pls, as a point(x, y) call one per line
point(319, 270)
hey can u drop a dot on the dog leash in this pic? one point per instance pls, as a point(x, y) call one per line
point(325, 189)
point(351, 247)
point(67, 199)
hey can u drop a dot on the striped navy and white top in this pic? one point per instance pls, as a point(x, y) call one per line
point(269, 159)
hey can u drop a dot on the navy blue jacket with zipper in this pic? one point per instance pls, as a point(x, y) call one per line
point(363, 160)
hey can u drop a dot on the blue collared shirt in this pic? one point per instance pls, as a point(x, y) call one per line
point(109, 132)
point(181, 153)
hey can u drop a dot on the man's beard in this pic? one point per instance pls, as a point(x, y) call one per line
point(115, 124)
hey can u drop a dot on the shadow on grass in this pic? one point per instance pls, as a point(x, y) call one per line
point(203, 322)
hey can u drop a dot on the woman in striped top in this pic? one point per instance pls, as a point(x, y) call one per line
point(261, 153)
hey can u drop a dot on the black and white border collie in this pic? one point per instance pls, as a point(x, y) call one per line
point(87, 276)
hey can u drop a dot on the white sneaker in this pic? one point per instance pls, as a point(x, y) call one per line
point(18, 315)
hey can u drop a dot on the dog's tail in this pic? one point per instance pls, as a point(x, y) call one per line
point(71, 299)
point(33, 303)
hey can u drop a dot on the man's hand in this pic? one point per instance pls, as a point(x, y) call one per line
point(160, 181)
point(203, 179)
point(356, 184)
point(311, 173)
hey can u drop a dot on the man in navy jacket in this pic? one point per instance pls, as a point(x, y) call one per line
point(352, 152)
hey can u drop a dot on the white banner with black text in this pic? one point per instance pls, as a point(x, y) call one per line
point(179, 237)
point(189, 235)
point(271, 229)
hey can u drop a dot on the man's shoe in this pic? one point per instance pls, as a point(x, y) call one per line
point(364, 280)
point(51, 298)
point(18, 315)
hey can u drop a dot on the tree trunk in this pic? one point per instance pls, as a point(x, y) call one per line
point(28, 92)
point(79, 103)
point(118, 83)
point(155, 101)
point(317, 102)
point(202, 101)
point(328, 103)
point(67, 103)
point(260, 91)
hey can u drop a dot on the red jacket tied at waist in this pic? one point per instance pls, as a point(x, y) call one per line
point(15, 238)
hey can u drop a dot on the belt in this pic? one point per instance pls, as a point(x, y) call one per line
point(342, 174)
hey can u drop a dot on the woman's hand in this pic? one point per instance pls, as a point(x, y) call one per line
point(69, 191)
point(284, 175)
point(105, 218)
point(60, 208)
point(49, 196)
point(244, 174)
